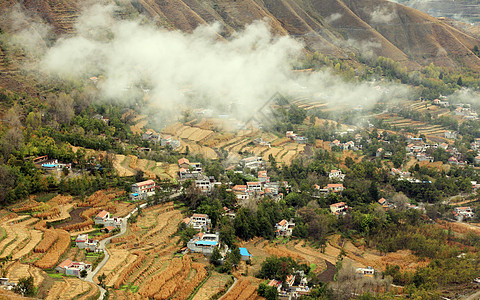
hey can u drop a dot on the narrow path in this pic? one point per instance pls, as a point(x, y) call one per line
point(103, 243)
point(475, 296)
point(231, 287)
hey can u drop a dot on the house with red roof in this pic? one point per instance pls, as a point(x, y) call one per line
point(463, 213)
point(254, 186)
point(336, 175)
point(183, 163)
point(73, 268)
point(198, 221)
point(284, 228)
point(102, 217)
point(339, 208)
point(334, 187)
point(263, 177)
point(142, 190)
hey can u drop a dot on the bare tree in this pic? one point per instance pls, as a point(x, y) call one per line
point(400, 201)
point(61, 108)
point(12, 140)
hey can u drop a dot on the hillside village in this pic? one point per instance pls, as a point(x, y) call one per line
point(332, 154)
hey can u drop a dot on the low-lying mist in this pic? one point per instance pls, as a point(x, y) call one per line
point(246, 68)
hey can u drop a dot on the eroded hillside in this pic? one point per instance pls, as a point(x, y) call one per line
point(335, 27)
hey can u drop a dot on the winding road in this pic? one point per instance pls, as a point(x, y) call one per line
point(103, 244)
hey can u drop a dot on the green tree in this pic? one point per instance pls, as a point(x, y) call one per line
point(25, 286)
point(215, 257)
point(83, 273)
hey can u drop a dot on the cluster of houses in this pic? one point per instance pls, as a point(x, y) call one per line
point(109, 222)
point(297, 138)
point(73, 268)
point(418, 149)
point(50, 164)
point(284, 228)
point(83, 242)
point(289, 290)
point(142, 190)
point(257, 189)
point(466, 112)
point(162, 140)
point(188, 170)
point(462, 213)
point(350, 145)
point(198, 222)
point(461, 109)
point(204, 242)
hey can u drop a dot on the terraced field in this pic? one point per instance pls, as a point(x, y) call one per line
point(204, 141)
point(398, 123)
point(144, 258)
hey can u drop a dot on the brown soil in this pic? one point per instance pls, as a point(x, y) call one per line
point(75, 217)
point(213, 285)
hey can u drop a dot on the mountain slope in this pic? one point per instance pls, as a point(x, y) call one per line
point(334, 27)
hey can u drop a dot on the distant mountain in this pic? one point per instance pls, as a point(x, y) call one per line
point(460, 10)
point(334, 27)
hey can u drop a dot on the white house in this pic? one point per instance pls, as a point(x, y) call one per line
point(204, 185)
point(284, 228)
point(83, 242)
point(254, 162)
point(69, 267)
point(254, 186)
point(336, 175)
point(338, 208)
point(198, 221)
point(204, 243)
point(142, 190)
point(463, 212)
point(102, 217)
point(368, 271)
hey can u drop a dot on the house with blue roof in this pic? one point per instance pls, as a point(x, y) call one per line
point(245, 254)
point(204, 243)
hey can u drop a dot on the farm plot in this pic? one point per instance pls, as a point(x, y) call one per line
point(75, 217)
point(54, 253)
point(150, 239)
point(244, 288)
point(72, 288)
point(198, 149)
point(137, 128)
point(121, 164)
point(177, 280)
point(423, 128)
point(213, 285)
point(18, 270)
point(18, 237)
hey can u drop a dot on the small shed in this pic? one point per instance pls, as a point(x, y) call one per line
point(244, 253)
point(109, 228)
